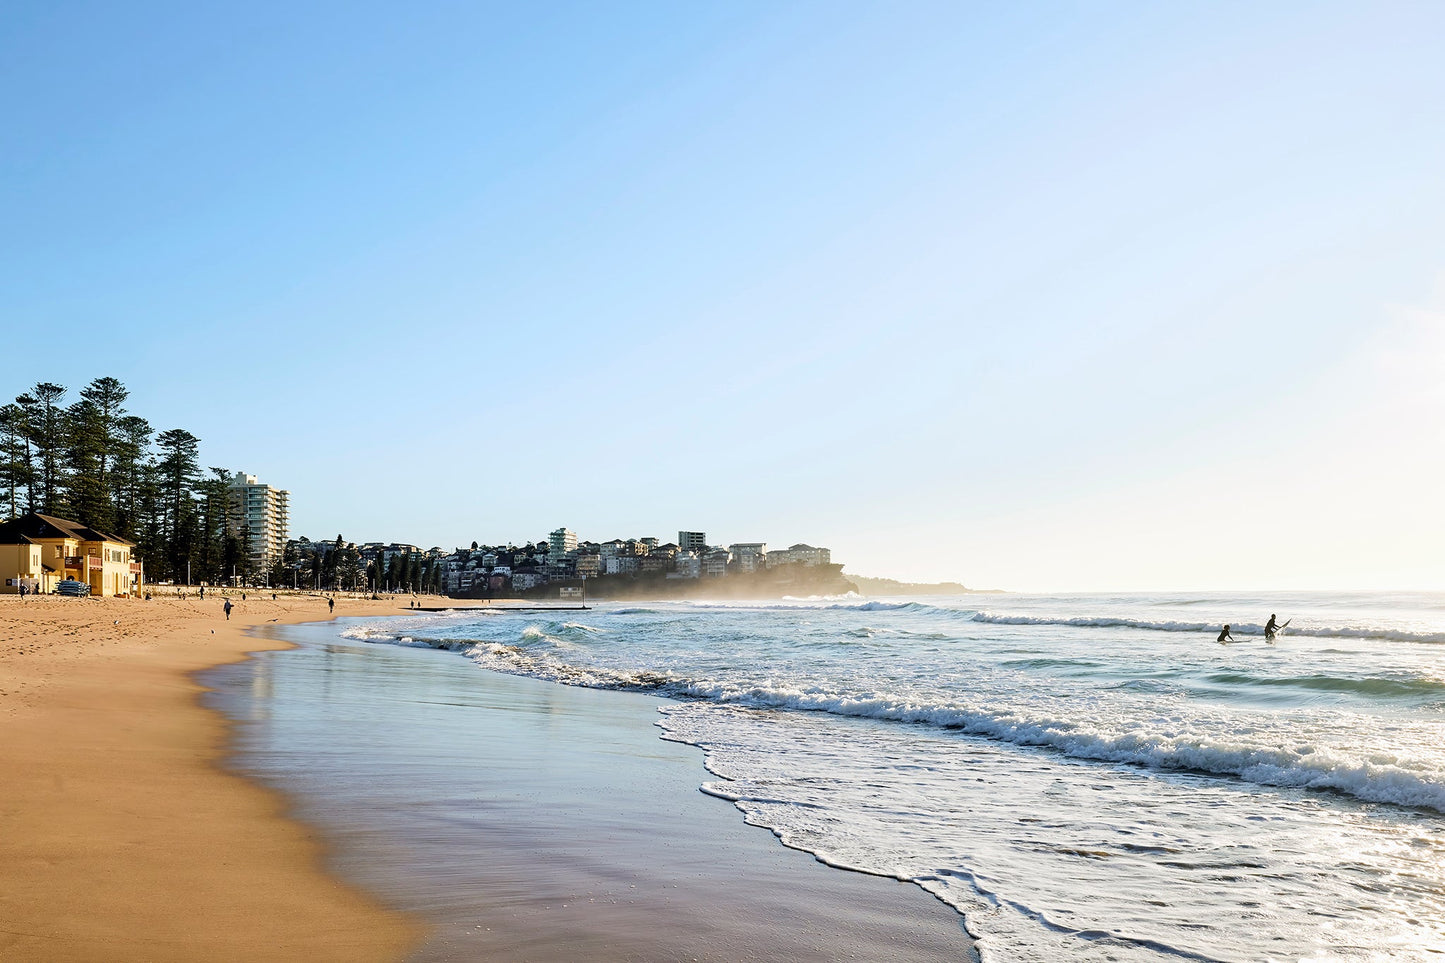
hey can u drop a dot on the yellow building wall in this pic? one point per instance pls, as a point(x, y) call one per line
point(19, 561)
point(113, 577)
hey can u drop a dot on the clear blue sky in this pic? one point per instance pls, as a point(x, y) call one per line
point(1046, 295)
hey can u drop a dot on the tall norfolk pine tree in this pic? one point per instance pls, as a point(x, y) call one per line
point(94, 435)
point(45, 432)
point(179, 471)
point(17, 469)
point(133, 489)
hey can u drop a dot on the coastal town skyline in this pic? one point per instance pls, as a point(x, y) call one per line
point(1036, 298)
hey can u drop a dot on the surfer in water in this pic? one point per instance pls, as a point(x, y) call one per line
point(1273, 628)
point(1224, 636)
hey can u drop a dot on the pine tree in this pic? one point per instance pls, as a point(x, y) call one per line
point(84, 485)
point(246, 564)
point(94, 435)
point(46, 436)
point(16, 470)
point(128, 471)
point(177, 474)
point(214, 499)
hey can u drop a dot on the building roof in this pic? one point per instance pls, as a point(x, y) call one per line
point(35, 526)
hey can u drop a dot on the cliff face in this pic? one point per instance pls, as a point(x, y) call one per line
point(771, 583)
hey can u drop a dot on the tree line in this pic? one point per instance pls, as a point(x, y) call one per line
point(339, 566)
point(93, 461)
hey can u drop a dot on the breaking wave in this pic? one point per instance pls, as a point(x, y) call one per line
point(1242, 628)
point(1392, 781)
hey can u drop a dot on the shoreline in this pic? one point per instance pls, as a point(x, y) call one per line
point(133, 829)
point(122, 832)
point(523, 819)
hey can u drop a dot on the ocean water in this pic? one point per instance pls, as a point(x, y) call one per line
point(1084, 778)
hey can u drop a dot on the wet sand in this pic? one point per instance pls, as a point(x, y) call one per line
point(525, 820)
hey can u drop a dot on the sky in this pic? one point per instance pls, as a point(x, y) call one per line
point(1046, 296)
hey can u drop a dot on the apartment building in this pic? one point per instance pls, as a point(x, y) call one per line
point(560, 542)
point(748, 556)
point(800, 554)
point(262, 513)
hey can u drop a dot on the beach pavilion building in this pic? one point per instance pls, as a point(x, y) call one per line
point(39, 551)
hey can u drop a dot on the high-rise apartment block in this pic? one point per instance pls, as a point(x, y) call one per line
point(692, 541)
point(259, 512)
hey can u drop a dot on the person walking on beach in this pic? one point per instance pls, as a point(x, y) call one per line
point(203, 593)
point(228, 611)
point(330, 603)
point(1224, 636)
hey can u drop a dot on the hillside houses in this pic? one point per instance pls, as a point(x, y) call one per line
point(561, 557)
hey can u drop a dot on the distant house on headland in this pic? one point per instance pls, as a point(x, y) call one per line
point(42, 550)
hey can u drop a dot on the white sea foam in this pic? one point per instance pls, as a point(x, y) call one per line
point(1305, 767)
point(1050, 766)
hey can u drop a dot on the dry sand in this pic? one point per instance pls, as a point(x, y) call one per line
point(120, 836)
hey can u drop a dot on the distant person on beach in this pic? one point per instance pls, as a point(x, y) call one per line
point(203, 593)
point(22, 591)
point(228, 611)
point(1224, 636)
point(330, 604)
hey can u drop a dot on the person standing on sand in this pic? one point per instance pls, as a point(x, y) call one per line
point(228, 611)
point(1224, 636)
point(203, 593)
point(330, 604)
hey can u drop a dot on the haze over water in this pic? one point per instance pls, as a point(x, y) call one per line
point(1087, 777)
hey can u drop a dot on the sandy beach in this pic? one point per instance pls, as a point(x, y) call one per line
point(120, 836)
point(126, 833)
